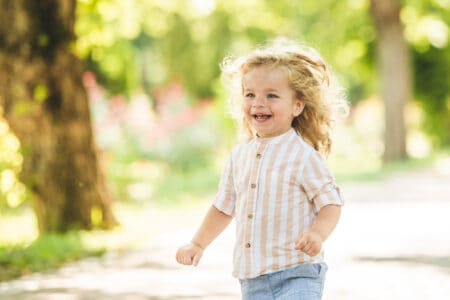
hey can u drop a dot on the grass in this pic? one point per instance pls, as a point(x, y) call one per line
point(46, 252)
point(22, 252)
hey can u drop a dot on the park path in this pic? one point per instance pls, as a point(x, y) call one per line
point(393, 242)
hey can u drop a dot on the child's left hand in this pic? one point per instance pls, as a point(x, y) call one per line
point(309, 242)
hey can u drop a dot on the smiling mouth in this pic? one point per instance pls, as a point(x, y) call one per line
point(261, 117)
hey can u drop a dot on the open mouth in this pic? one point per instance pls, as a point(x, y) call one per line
point(261, 117)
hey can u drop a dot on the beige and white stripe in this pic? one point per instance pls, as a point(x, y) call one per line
point(274, 188)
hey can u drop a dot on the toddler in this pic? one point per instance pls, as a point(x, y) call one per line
point(276, 185)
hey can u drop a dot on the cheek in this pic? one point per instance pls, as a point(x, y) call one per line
point(245, 106)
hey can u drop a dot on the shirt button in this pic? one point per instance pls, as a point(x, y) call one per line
point(247, 245)
point(258, 155)
point(253, 185)
point(250, 216)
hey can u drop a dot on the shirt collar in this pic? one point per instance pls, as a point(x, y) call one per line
point(277, 139)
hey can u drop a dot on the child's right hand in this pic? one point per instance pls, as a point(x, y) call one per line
point(189, 254)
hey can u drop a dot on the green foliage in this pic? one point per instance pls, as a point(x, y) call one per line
point(432, 87)
point(341, 31)
point(161, 42)
point(106, 30)
point(427, 30)
point(152, 43)
point(142, 44)
point(46, 252)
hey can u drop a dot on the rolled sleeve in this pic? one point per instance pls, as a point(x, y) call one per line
point(319, 184)
point(332, 196)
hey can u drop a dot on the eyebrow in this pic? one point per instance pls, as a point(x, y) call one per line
point(266, 90)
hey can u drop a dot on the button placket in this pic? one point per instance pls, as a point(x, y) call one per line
point(253, 194)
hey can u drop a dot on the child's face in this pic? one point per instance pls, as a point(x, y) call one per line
point(269, 103)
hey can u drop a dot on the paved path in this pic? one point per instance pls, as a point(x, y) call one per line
point(393, 242)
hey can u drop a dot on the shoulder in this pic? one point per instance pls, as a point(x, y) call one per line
point(310, 154)
point(312, 158)
point(316, 168)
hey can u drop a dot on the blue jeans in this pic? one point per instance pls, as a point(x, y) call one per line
point(304, 282)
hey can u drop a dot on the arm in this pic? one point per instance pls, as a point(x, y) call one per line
point(311, 241)
point(213, 224)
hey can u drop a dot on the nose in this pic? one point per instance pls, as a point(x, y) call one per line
point(259, 102)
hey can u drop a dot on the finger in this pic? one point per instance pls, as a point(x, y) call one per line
point(306, 248)
point(301, 246)
point(314, 252)
point(181, 254)
point(301, 242)
point(196, 259)
point(187, 261)
point(178, 257)
point(183, 259)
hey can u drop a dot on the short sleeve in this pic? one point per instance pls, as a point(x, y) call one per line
point(226, 197)
point(318, 183)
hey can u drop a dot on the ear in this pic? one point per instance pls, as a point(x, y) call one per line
point(299, 105)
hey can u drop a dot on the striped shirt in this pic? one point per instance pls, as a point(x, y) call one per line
point(275, 188)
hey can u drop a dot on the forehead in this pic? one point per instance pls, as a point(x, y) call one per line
point(266, 75)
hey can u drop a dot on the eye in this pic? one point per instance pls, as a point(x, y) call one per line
point(272, 96)
point(249, 95)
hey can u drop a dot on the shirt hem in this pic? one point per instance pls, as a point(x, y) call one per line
point(251, 276)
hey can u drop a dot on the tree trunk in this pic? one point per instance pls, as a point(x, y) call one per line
point(394, 68)
point(46, 106)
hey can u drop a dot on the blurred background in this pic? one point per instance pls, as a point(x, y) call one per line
point(114, 124)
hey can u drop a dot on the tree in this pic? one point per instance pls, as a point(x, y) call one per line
point(395, 74)
point(46, 106)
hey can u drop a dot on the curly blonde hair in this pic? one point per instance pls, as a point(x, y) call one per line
point(308, 76)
